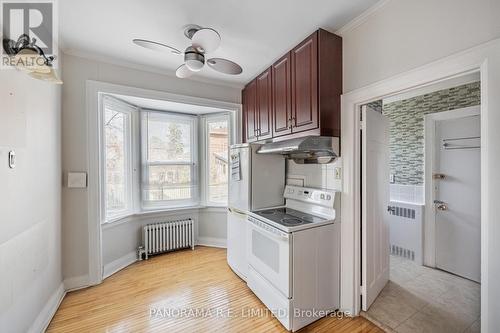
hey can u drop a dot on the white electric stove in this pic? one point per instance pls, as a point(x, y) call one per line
point(294, 256)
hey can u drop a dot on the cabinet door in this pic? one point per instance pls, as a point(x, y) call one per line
point(250, 114)
point(264, 103)
point(282, 96)
point(305, 85)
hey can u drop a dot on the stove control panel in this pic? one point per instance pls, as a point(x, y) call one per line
point(310, 195)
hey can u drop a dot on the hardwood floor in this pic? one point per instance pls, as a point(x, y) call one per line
point(137, 299)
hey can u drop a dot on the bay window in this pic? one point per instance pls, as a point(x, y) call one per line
point(150, 159)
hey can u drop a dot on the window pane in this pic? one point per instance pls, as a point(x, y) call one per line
point(114, 131)
point(168, 140)
point(168, 182)
point(218, 143)
point(169, 171)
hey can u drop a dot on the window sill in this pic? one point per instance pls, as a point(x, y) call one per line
point(156, 213)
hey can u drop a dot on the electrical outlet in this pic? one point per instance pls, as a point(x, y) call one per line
point(392, 178)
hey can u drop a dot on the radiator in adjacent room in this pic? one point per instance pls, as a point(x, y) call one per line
point(406, 229)
point(167, 236)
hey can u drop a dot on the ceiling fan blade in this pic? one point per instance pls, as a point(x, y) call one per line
point(206, 40)
point(149, 44)
point(183, 72)
point(225, 66)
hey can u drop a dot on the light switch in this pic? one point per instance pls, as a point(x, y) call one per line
point(12, 159)
point(77, 179)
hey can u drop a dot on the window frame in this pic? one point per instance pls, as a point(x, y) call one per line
point(206, 119)
point(146, 205)
point(129, 152)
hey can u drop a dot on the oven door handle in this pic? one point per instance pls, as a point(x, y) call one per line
point(280, 235)
point(236, 211)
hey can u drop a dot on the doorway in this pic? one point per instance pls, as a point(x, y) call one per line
point(401, 289)
point(453, 141)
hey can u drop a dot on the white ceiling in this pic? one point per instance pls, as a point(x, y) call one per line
point(254, 33)
point(162, 105)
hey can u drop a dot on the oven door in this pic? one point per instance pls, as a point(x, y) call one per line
point(269, 254)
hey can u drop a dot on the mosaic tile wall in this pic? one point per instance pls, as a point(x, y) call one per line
point(376, 105)
point(407, 127)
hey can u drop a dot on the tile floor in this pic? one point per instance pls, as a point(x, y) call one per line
point(422, 299)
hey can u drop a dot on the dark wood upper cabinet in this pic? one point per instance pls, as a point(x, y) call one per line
point(264, 105)
point(282, 96)
point(305, 85)
point(299, 94)
point(250, 112)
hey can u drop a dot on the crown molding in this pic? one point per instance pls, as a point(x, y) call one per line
point(362, 18)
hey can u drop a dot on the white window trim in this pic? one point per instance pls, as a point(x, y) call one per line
point(194, 163)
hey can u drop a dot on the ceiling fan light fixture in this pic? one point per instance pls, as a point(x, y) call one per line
point(193, 59)
point(206, 40)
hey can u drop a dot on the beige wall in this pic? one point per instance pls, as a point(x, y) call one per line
point(405, 34)
point(74, 141)
point(30, 199)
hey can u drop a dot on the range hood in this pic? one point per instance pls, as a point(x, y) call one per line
point(305, 150)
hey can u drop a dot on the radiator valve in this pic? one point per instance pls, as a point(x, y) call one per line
point(141, 252)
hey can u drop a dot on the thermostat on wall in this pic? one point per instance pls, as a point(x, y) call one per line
point(77, 179)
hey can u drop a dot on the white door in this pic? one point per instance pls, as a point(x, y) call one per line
point(375, 200)
point(458, 196)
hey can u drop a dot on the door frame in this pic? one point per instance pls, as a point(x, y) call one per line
point(482, 59)
point(430, 120)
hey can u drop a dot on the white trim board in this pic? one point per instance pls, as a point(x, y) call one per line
point(95, 211)
point(429, 239)
point(212, 242)
point(483, 58)
point(119, 264)
point(43, 319)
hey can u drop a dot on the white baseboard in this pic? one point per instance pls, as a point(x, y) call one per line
point(119, 264)
point(77, 282)
point(43, 319)
point(212, 242)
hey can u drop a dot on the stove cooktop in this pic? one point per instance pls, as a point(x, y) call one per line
point(289, 217)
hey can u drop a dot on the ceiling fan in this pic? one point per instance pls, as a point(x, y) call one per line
point(203, 41)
